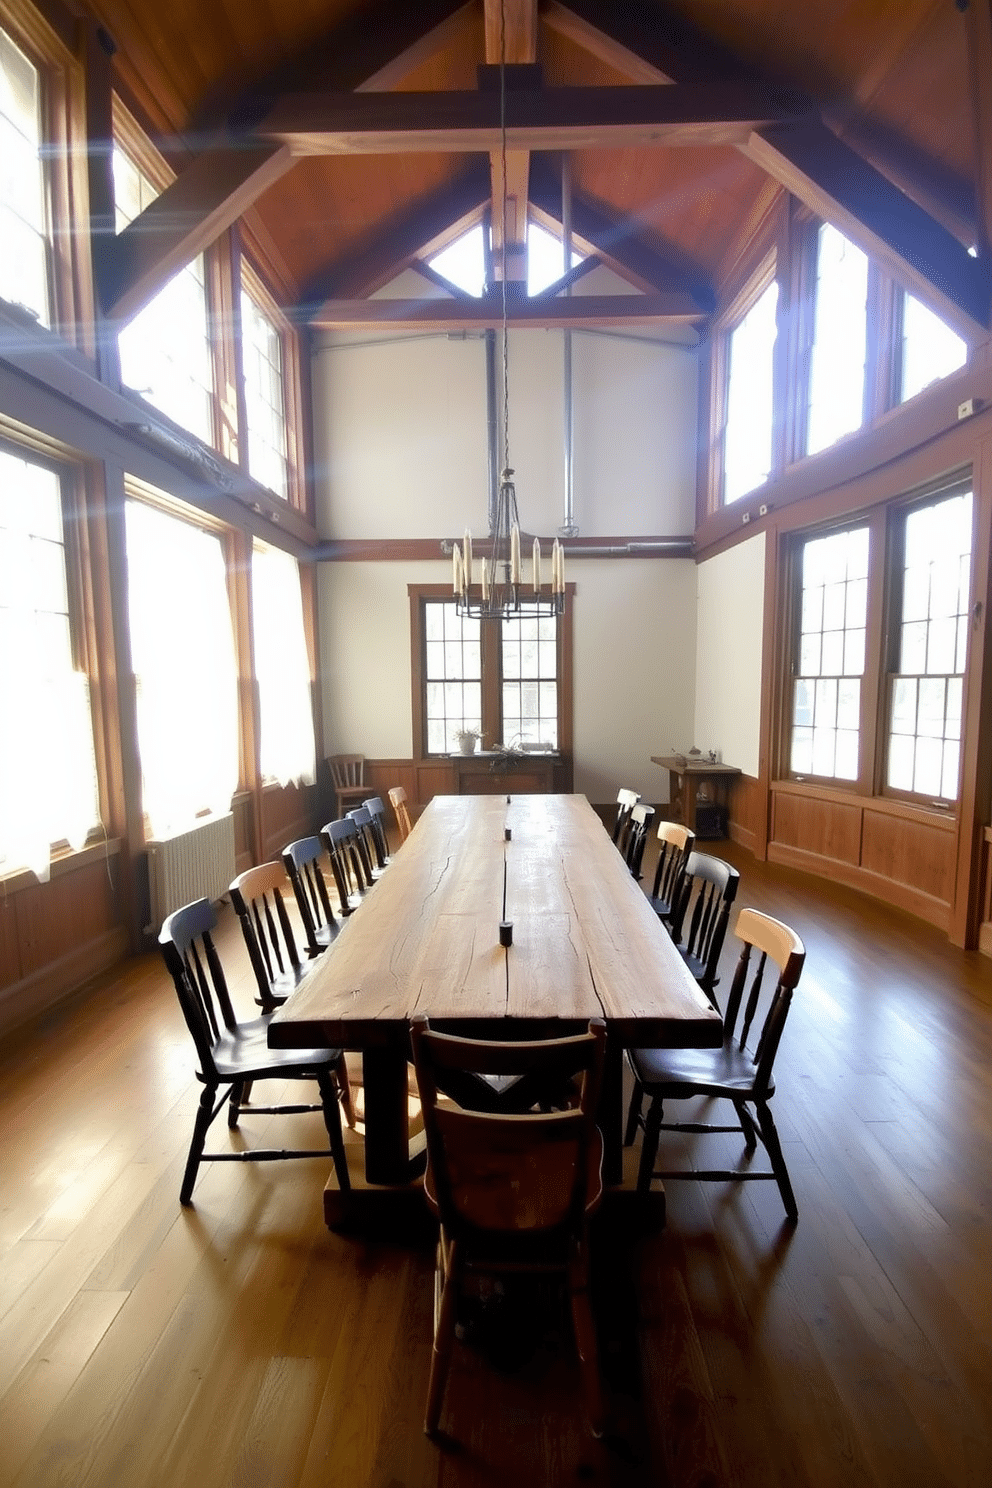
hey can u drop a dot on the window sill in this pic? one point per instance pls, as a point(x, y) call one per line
point(65, 860)
point(945, 818)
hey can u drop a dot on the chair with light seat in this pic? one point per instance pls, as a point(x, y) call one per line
point(735, 1072)
point(259, 899)
point(513, 1193)
point(398, 801)
point(637, 836)
point(675, 843)
point(234, 1055)
point(626, 801)
point(377, 812)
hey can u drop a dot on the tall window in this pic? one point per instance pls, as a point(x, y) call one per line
point(165, 350)
point(182, 651)
point(837, 371)
point(507, 680)
point(48, 782)
point(926, 686)
point(826, 690)
point(282, 669)
point(265, 397)
point(930, 349)
point(24, 231)
point(747, 439)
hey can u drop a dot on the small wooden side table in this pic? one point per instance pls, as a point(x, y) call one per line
point(690, 775)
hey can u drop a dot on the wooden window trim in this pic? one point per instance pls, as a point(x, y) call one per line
point(255, 286)
point(418, 594)
point(725, 324)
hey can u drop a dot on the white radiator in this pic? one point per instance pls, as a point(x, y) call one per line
point(195, 865)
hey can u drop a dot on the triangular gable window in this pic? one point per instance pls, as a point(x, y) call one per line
point(463, 261)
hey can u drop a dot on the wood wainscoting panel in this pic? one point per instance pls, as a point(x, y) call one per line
point(827, 828)
point(985, 928)
point(287, 814)
point(908, 851)
point(747, 808)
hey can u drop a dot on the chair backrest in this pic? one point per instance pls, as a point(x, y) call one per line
point(626, 801)
point(187, 944)
point(397, 799)
point(774, 941)
point(301, 859)
point(637, 836)
point(347, 771)
point(517, 1173)
point(364, 839)
point(709, 888)
point(257, 896)
point(675, 843)
point(377, 812)
point(340, 838)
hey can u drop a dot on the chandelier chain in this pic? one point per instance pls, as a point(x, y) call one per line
point(503, 205)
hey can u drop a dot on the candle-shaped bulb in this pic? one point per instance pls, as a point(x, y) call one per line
point(467, 558)
point(485, 583)
point(514, 554)
point(457, 577)
point(537, 566)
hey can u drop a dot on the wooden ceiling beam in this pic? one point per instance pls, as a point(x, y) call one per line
point(486, 313)
point(805, 157)
point(979, 22)
point(511, 39)
point(838, 186)
point(536, 119)
point(373, 50)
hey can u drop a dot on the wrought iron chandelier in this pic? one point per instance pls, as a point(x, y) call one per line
point(501, 590)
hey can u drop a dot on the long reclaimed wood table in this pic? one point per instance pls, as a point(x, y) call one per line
point(426, 939)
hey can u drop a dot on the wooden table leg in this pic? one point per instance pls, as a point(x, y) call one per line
point(388, 1155)
point(611, 1113)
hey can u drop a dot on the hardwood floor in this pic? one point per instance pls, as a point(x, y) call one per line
point(239, 1342)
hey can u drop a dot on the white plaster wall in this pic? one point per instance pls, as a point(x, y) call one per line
point(401, 439)
point(730, 606)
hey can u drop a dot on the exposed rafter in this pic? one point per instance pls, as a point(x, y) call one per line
point(807, 158)
point(511, 37)
point(373, 51)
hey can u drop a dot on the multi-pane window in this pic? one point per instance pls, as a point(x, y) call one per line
point(452, 676)
point(282, 669)
point(837, 370)
point(182, 652)
point(926, 688)
point(826, 689)
point(24, 231)
point(265, 397)
point(48, 781)
point(165, 350)
point(747, 439)
point(530, 680)
point(463, 261)
point(501, 679)
point(930, 349)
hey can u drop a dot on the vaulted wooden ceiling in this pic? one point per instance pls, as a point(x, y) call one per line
point(358, 135)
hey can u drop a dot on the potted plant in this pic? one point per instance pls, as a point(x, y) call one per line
point(468, 738)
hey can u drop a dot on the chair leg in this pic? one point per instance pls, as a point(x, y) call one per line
point(649, 1146)
point(332, 1121)
point(444, 1335)
point(344, 1085)
point(585, 1338)
point(633, 1113)
point(239, 1094)
point(769, 1135)
point(747, 1125)
point(204, 1116)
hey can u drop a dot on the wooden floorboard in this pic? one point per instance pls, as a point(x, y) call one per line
point(242, 1343)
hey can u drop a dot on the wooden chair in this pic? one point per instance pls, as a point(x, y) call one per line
point(637, 836)
point(258, 899)
point(709, 888)
point(512, 1193)
point(340, 839)
point(301, 860)
point(397, 799)
point(377, 812)
point(348, 777)
point(626, 801)
point(235, 1054)
point(675, 844)
point(365, 843)
point(733, 1072)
